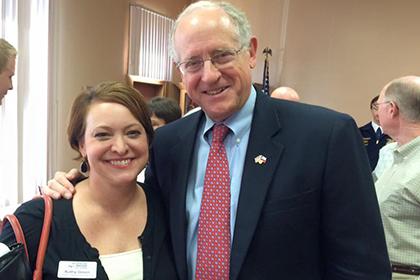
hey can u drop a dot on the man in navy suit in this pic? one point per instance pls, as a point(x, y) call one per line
point(302, 200)
point(373, 136)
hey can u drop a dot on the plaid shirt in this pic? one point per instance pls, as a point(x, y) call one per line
point(398, 191)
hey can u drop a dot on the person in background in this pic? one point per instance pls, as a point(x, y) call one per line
point(373, 136)
point(7, 67)
point(398, 188)
point(7, 70)
point(111, 220)
point(247, 197)
point(163, 110)
point(286, 93)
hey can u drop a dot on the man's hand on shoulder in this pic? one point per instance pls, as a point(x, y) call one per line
point(60, 185)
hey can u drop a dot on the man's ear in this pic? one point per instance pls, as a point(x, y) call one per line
point(253, 44)
point(394, 110)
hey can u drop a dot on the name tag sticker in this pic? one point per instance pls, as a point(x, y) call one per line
point(74, 269)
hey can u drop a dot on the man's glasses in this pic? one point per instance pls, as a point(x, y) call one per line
point(375, 106)
point(385, 102)
point(220, 60)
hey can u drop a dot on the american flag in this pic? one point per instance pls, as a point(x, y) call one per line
point(266, 80)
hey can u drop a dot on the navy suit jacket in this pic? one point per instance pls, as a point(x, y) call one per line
point(371, 144)
point(309, 212)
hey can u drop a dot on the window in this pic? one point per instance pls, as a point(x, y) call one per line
point(149, 39)
point(24, 113)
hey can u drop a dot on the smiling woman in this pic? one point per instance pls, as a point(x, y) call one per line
point(111, 218)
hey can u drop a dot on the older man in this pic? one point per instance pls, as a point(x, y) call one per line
point(399, 186)
point(7, 67)
point(248, 196)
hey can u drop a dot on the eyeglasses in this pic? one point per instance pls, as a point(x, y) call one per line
point(221, 60)
point(375, 106)
point(385, 102)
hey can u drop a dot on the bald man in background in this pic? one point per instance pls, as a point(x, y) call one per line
point(397, 189)
point(286, 93)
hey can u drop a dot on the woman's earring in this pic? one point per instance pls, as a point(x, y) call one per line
point(84, 166)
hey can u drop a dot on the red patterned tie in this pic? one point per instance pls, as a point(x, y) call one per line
point(213, 248)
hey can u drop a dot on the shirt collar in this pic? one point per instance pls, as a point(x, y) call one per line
point(405, 150)
point(375, 126)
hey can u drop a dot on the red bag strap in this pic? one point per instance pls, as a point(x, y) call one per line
point(43, 241)
point(17, 229)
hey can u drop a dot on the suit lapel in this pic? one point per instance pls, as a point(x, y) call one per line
point(263, 140)
point(181, 156)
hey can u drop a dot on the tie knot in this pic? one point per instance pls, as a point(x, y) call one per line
point(219, 133)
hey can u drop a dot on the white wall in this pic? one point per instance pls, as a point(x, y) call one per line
point(90, 45)
point(337, 54)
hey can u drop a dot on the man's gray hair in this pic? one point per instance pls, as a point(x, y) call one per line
point(242, 26)
point(405, 91)
point(7, 51)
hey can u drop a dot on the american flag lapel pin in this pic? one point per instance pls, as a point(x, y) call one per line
point(260, 159)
